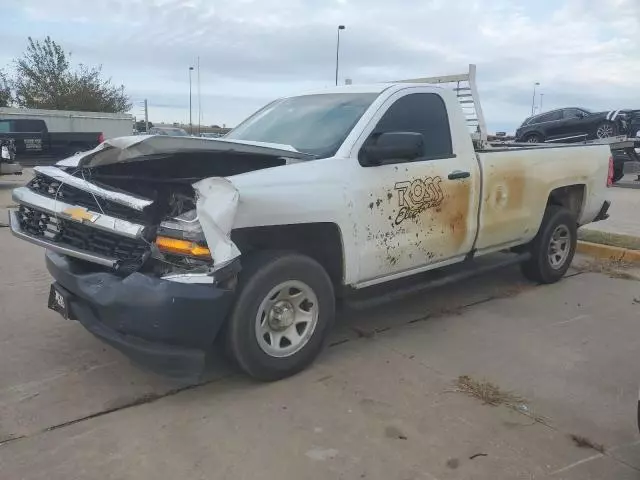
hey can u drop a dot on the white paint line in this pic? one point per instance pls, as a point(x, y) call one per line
point(574, 319)
point(579, 462)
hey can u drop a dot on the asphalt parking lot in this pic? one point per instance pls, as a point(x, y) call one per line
point(404, 391)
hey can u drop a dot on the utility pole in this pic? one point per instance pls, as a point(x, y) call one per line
point(340, 27)
point(541, 100)
point(199, 100)
point(146, 116)
point(533, 102)
point(190, 109)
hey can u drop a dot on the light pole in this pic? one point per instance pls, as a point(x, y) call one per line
point(541, 100)
point(340, 27)
point(533, 102)
point(190, 110)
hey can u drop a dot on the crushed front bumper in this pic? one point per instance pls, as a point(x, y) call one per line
point(165, 326)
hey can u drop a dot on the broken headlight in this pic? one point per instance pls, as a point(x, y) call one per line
point(183, 235)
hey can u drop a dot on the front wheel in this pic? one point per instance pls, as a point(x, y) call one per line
point(283, 312)
point(534, 138)
point(553, 248)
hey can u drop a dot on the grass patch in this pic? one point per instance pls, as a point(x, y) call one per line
point(613, 239)
point(611, 268)
point(584, 442)
point(487, 392)
point(491, 394)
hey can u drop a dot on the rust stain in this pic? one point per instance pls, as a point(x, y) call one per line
point(505, 198)
point(456, 212)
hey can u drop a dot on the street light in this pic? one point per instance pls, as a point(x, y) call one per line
point(190, 116)
point(340, 27)
point(541, 100)
point(533, 102)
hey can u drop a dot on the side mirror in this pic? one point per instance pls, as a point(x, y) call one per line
point(391, 147)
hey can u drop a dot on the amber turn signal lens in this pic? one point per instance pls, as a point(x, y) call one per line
point(182, 247)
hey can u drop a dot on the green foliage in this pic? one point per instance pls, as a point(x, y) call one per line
point(5, 90)
point(44, 79)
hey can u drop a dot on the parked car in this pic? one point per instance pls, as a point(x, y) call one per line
point(33, 137)
point(170, 131)
point(172, 242)
point(576, 124)
point(211, 135)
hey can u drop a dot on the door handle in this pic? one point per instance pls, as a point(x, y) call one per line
point(457, 174)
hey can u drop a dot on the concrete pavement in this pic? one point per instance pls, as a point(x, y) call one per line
point(381, 402)
point(624, 214)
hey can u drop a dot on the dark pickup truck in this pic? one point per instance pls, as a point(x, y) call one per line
point(33, 137)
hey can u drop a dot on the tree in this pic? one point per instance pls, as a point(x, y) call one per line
point(5, 90)
point(44, 79)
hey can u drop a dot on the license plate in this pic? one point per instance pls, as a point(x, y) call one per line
point(59, 300)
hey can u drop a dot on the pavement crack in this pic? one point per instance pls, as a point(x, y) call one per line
point(142, 400)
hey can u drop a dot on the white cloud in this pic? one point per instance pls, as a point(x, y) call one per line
point(583, 52)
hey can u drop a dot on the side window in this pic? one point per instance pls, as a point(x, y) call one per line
point(550, 117)
point(29, 125)
point(423, 113)
point(569, 113)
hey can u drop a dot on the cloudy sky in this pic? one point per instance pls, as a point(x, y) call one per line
point(583, 52)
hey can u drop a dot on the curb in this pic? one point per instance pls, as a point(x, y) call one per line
point(608, 252)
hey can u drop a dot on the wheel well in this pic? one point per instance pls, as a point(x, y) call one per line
point(570, 197)
point(533, 133)
point(320, 241)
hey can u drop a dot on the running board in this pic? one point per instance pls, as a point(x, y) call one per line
point(439, 278)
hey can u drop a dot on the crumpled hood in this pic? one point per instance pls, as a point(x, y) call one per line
point(148, 147)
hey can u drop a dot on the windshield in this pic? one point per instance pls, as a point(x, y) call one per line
point(315, 124)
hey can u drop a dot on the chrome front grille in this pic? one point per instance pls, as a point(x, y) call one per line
point(60, 191)
point(50, 228)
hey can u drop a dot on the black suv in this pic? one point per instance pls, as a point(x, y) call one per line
point(576, 124)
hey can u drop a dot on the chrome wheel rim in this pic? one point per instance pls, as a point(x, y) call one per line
point(559, 247)
point(286, 319)
point(532, 140)
point(604, 131)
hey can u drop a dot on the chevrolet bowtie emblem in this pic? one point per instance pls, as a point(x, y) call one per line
point(80, 214)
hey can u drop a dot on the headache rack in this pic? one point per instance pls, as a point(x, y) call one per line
point(465, 88)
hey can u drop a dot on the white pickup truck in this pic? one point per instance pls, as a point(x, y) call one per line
point(159, 245)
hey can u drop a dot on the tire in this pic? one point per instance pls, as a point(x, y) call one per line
point(618, 173)
point(281, 343)
point(606, 130)
point(619, 159)
point(533, 138)
point(543, 267)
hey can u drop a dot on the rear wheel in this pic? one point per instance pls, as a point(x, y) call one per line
point(553, 248)
point(618, 173)
point(606, 130)
point(283, 312)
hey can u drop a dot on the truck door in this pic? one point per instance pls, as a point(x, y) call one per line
point(413, 214)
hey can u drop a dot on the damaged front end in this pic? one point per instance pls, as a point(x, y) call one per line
point(137, 233)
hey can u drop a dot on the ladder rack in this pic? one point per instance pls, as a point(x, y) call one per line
point(465, 87)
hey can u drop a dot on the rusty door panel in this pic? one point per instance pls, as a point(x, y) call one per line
point(415, 216)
